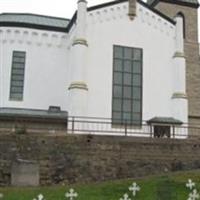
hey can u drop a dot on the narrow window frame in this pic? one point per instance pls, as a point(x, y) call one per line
point(120, 122)
point(16, 77)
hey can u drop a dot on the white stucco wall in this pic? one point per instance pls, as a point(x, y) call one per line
point(45, 68)
point(49, 61)
point(111, 26)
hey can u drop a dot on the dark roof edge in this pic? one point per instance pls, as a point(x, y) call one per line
point(164, 120)
point(33, 26)
point(29, 109)
point(105, 4)
point(192, 5)
point(37, 15)
point(72, 21)
point(37, 113)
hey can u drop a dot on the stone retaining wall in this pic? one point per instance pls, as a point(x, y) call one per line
point(81, 158)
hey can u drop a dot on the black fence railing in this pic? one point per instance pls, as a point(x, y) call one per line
point(91, 125)
point(105, 126)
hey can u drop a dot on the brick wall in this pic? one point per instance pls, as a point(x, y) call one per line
point(74, 158)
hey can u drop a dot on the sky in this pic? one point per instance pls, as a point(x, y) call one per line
point(59, 8)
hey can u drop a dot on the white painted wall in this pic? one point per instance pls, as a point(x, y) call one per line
point(111, 26)
point(45, 69)
point(49, 57)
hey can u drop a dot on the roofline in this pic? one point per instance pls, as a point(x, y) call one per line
point(192, 5)
point(111, 3)
point(157, 12)
point(38, 15)
point(72, 21)
point(49, 115)
point(33, 26)
point(139, 1)
point(160, 120)
point(30, 109)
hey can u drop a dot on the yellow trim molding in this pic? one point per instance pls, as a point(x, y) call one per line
point(178, 54)
point(80, 41)
point(78, 85)
point(179, 95)
point(82, 1)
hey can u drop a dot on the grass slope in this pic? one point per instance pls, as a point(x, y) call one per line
point(171, 186)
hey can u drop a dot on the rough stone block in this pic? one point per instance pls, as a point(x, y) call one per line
point(25, 173)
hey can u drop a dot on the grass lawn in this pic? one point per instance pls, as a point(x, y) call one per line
point(166, 187)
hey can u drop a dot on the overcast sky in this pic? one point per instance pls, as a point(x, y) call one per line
point(59, 8)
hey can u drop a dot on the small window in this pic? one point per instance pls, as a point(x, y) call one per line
point(17, 75)
point(162, 131)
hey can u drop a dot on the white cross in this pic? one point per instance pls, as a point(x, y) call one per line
point(39, 197)
point(194, 195)
point(71, 194)
point(125, 197)
point(190, 184)
point(134, 188)
point(1, 195)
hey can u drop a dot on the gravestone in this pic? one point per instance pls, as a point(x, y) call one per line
point(25, 173)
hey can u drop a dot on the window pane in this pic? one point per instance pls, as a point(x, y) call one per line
point(117, 105)
point(127, 53)
point(127, 79)
point(16, 89)
point(136, 93)
point(18, 65)
point(118, 91)
point(137, 54)
point(136, 106)
point(17, 83)
point(18, 59)
point(118, 77)
point(127, 117)
point(127, 92)
point(19, 54)
point(17, 78)
point(116, 117)
point(16, 96)
point(127, 105)
point(118, 52)
point(136, 118)
point(17, 75)
point(128, 66)
point(137, 67)
point(18, 71)
point(136, 80)
point(118, 65)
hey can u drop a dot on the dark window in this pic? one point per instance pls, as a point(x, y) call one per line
point(127, 86)
point(17, 75)
point(161, 131)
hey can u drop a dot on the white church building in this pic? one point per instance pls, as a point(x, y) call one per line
point(124, 60)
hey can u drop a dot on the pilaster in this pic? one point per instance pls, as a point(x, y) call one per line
point(78, 89)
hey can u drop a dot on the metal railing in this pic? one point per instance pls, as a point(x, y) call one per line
point(105, 126)
point(92, 125)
